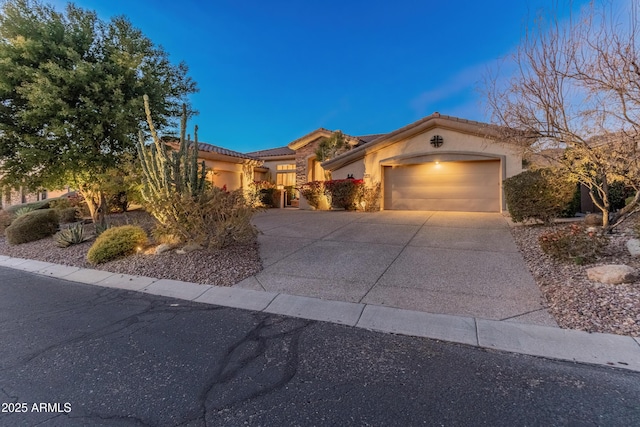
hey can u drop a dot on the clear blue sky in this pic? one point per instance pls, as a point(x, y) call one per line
point(270, 71)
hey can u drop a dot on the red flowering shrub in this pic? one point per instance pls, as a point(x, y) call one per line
point(313, 191)
point(344, 192)
point(573, 243)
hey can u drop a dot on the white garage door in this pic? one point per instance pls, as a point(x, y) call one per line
point(470, 186)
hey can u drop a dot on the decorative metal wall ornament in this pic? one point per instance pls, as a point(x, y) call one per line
point(437, 141)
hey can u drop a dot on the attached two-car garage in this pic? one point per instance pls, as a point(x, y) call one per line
point(438, 163)
point(470, 186)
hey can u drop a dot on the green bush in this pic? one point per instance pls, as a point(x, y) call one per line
point(541, 194)
point(116, 242)
point(42, 204)
point(314, 193)
point(68, 215)
point(269, 197)
point(344, 192)
point(32, 226)
point(59, 203)
point(72, 235)
point(573, 243)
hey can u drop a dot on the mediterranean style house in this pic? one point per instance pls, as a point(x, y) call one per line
point(437, 163)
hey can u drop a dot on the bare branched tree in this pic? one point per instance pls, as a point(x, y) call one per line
point(575, 97)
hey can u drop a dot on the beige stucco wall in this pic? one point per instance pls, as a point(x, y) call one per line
point(370, 167)
point(273, 167)
point(416, 149)
point(229, 174)
point(356, 169)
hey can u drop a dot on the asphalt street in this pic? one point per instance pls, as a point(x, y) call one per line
point(78, 355)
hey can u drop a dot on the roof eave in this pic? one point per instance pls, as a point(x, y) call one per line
point(420, 126)
point(310, 137)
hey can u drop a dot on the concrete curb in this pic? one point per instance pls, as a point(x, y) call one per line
point(548, 342)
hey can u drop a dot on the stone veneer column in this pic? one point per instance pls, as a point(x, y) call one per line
point(302, 156)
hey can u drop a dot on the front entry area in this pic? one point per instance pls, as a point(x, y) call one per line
point(463, 186)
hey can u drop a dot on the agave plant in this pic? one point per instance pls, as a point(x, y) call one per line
point(22, 211)
point(72, 235)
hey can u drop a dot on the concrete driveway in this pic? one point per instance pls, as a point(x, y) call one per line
point(439, 262)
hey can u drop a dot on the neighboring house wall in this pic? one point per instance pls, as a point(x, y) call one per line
point(17, 197)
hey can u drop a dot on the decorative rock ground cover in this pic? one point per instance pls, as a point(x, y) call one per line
point(575, 301)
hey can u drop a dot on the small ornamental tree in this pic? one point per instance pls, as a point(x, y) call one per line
point(328, 148)
point(574, 96)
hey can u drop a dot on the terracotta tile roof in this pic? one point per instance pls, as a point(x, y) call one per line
point(202, 146)
point(279, 151)
point(369, 138)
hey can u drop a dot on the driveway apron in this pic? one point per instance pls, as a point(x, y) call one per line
point(439, 262)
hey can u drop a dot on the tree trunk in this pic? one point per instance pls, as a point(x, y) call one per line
point(97, 204)
point(627, 211)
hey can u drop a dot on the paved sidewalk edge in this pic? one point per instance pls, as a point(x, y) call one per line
point(542, 341)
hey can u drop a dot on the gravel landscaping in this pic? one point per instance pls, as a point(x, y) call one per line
point(212, 267)
point(574, 301)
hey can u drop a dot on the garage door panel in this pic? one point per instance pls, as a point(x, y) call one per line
point(452, 186)
point(443, 192)
point(460, 205)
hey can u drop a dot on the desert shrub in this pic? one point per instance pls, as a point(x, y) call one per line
point(541, 194)
point(34, 225)
point(42, 204)
point(344, 192)
point(67, 215)
point(78, 202)
point(573, 243)
point(618, 194)
point(116, 242)
point(369, 198)
point(574, 204)
point(60, 203)
point(215, 219)
point(118, 202)
point(270, 197)
point(314, 192)
point(23, 210)
point(5, 219)
point(101, 228)
point(72, 235)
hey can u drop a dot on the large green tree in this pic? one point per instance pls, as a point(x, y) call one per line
point(71, 88)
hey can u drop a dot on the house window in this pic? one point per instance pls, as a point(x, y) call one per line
point(286, 175)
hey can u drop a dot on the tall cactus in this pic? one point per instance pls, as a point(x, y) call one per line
point(170, 173)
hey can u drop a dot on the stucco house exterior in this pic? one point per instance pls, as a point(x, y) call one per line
point(227, 168)
point(437, 163)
